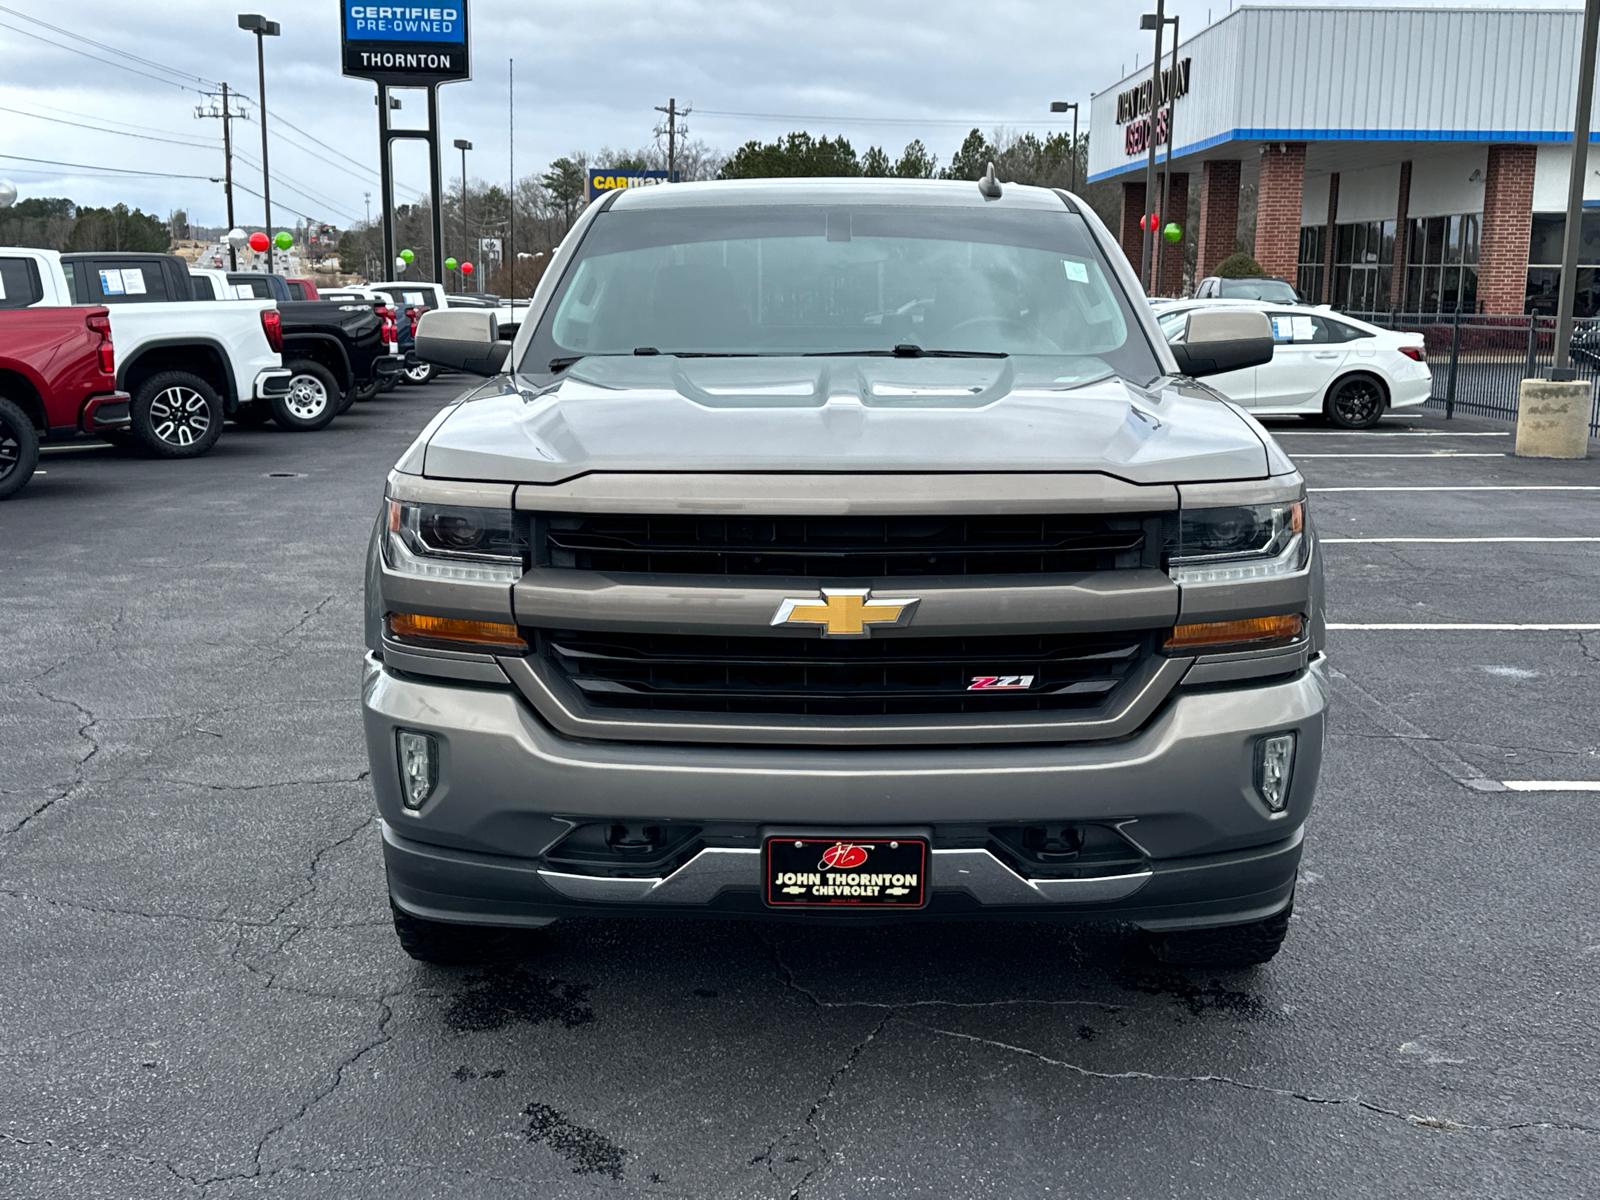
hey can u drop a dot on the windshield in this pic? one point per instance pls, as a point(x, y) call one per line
point(1273, 291)
point(866, 279)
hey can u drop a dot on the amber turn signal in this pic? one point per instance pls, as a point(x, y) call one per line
point(411, 627)
point(1250, 634)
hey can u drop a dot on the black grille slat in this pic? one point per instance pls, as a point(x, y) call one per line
point(815, 547)
point(882, 676)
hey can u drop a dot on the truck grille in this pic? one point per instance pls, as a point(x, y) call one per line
point(878, 676)
point(836, 547)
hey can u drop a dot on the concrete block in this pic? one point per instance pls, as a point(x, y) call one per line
point(1553, 419)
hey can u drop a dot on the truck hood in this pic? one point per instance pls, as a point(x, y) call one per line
point(858, 415)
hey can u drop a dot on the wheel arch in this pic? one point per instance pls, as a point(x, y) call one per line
point(202, 357)
point(323, 349)
point(22, 391)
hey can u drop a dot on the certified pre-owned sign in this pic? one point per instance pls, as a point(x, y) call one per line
point(401, 44)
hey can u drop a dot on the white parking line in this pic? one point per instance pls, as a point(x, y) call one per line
point(1332, 541)
point(1424, 454)
point(1469, 627)
point(1360, 433)
point(1552, 785)
point(1467, 487)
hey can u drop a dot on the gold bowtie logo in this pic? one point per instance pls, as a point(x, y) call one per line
point(846, 613)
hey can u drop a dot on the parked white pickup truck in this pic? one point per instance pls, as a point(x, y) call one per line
point(186, 365)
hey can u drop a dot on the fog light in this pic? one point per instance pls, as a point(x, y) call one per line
point(1274, 762)
point(419, 767)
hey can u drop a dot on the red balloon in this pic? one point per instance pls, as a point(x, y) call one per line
point(259, 242)
point(466, 268)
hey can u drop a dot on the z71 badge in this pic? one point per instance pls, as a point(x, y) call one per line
point(1000, 683)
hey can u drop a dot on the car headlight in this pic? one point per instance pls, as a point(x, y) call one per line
point(1233, 545)
point(454, 542)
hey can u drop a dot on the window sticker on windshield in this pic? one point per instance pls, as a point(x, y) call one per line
point(133, 281)
point(243, 291)
point(1283, 329)
point(111, 283)
point(1304, 331)
point(414, 298)
point(1076, 271)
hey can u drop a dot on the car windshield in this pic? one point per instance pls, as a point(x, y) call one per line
point(1273, 291)
point(865, 279)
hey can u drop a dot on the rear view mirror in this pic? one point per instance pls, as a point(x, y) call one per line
point(1218, 340)
point(462, 339)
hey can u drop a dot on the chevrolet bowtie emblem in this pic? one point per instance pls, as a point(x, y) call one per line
point(846, 613)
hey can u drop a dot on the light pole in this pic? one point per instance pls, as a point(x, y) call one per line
point(1158, 22)
point(1562, 369)
point(1062, 106)
point(262, 28)
point(1166, 176)
point(463, 145)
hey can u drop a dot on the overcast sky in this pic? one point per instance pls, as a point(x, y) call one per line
point(587, 75)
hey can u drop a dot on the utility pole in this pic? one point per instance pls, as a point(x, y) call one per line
point(263, 29)
point(1059, 106)
point(466, 238)
point(227, 117)
point(1157, 21)
point(1166, 176)
point(511, 162)
point(1562, 370)
point(673, 113)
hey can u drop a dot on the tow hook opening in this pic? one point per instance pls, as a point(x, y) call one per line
point(625, 849)
point(1065, 851)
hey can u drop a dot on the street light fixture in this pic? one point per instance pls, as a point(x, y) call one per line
point(1158, 22)
point(257, 24)
point(463, 145)
point(1057, 106)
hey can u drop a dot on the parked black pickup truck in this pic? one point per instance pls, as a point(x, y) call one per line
point(338, 350)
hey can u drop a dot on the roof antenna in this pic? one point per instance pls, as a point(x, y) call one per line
point(989, 186)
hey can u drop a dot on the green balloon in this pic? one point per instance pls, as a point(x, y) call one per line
point(449, 264)
point(284, 240)
point(1173, 233)
point(408, 256)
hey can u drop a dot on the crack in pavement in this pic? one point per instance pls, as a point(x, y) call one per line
point(1264, 1089)
point(100, 1152)
point(89, 722)
point(1432, 750)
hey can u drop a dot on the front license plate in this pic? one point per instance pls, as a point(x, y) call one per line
point(812, 872)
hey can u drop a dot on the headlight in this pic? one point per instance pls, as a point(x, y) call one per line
point(1233, 545)
point(453, 542)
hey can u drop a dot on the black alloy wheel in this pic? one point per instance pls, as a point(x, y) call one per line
point(311, 402)
point(1356, 402)
point(19, 449)
point(177, 414)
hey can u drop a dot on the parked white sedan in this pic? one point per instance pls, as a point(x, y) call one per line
point(1322, 362)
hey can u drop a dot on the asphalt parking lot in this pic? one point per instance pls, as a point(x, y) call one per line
point(203, 995)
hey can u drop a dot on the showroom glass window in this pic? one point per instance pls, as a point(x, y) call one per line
point(1544, 265)
point(1363, 254)
point(1442, 264)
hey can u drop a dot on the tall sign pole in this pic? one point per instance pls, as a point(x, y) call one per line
point(1580, 171)
point(398, 47)
point(1158, 22)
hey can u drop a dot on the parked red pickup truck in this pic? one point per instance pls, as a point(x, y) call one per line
point(57, 377)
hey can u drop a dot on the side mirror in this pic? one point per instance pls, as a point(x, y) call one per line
point(462, 339)
point(1218, 340)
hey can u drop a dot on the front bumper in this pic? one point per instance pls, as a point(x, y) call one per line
point(272, 383)
point(1180, 790)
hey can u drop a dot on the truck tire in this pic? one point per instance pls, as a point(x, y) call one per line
point(446, 945)
point(177, 414)
point(1230, 947)
point(367, 391)
point(312, 401)
point(19, 449)
point(420, 374)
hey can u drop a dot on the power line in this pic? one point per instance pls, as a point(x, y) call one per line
point(108, 62)
point(257, 195)
point(107, 170)
point(110, 49)
point(968, 121)
point(290, 182)
point(97, 117)
point(282, 120)
point(117, 132)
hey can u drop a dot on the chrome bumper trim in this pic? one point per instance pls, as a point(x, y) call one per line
point(273, 382)
point(977, 872)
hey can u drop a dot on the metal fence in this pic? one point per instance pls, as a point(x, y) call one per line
point(1479, 362)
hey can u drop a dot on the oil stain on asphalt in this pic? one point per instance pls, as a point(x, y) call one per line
point(505, 996)
point(589, 1151)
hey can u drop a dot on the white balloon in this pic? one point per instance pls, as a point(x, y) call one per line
point(8, 193)
point(399, 263)
point(238, 239)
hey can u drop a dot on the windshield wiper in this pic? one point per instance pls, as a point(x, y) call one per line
point(905, 350)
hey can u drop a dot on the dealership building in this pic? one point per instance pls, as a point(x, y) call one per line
point(1403, 159)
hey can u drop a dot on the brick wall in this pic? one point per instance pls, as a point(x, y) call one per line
point(1507, 224)
point(1219, 213)
point(1283, 170)
point(1129, 234)
point(1176, 212)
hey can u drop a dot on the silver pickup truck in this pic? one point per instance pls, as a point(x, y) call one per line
point(844, 550)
